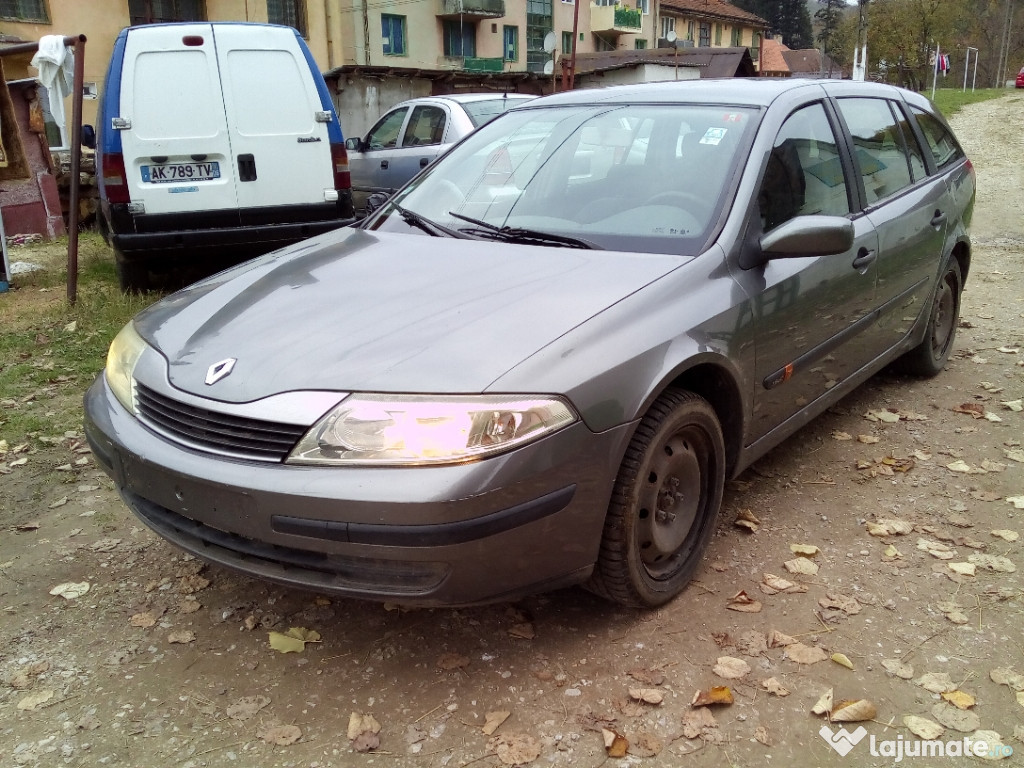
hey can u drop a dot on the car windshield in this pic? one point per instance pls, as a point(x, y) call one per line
point(643, 178)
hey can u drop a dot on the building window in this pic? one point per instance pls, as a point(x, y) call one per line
point(737, 37)
point(392, 30)
point(511, 44)
point(668, 24)
point(705, 34)
point(163, 11)
point(689, 30)
point(640, 44)
point(644, 6)
point(538, 24)
point(718, 35)
point(459, 38)
point(24, 10)
point(567, 42)
point(290, 13)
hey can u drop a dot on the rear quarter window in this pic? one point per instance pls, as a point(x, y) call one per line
point(940, 141)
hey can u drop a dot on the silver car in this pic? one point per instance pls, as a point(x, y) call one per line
point(540, 361)
point(412, 134)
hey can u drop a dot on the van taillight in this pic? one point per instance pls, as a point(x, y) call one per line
point(339, 163)
point(115, 180)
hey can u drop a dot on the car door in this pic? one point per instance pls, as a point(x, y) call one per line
point(279, 129)
point(174, 130)
point(812, 314)
point(908, 208)
point(423, 139)
point(370, 167)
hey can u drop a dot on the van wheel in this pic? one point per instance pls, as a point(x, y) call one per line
point(929, 357)
point(133, 277)
point(664, 503)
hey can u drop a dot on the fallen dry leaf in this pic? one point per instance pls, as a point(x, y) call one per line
point(731, 668)
point(773, 585)
point(839, 602)
point(743, 603)
point(615, 744)
point(367, 741)
point(247, 707)
point(294, 640)
point(1015, 454)
point(804, 550)
point(647, 695)
point(923, 728)
point(936, 549)
point(892, 553)
point(961, 720)
point(963, 569)
point(143, 620)
point(71, 590)
point(805, 654)
point(868, 439)
point(747, 520)
point(889, 527)
point(842, 660)
point(855, 711)
point(524, 631)
point(801, 566)
point(761, 736)
point(1006, 535)
point(1007, 676)
point(517, 748)
point(714, 696)
point(995, 563)
point(359, 723)
point(959, 699)
point(279, 735)
point(886, 416)
point(493, 720)
point(898, 668)
point(1017, 501)
point(824, 703)
point(699, 723)
point(34, 700)
point(975, 410)
point(936, 682)
point(644, 744)
point(647, 676)
point(774, 687)
point(182, 636)
point(839, 435)
point(778, 639)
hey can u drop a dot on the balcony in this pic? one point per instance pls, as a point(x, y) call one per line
point(471, 63)
point(615, 20)
point(471, 10)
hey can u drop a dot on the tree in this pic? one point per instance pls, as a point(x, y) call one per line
point(829, 16)
point(788, 19)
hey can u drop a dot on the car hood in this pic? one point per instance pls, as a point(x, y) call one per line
point(368, 311)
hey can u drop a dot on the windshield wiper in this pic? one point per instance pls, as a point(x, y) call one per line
point(419, 221)
point(521, 235)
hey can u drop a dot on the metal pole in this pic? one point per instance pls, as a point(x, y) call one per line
point(575, 34)
point(967, 65)
point(76, 168)
point(935, 68)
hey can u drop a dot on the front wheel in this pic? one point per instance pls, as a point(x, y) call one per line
point(664, 503)
point(930, 356)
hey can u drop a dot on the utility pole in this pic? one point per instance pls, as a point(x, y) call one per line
point(860, 50)
point(1004, 46)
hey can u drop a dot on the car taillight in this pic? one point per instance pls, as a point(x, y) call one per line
point(339, 162)
point(970, 169)
point(115, 180)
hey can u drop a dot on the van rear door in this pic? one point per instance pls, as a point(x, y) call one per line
point(278, 125)
point(174, 132)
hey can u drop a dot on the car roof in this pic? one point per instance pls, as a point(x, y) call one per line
point(759, 92)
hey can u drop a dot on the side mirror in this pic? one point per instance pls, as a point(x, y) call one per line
point(808, 236)
point(88, 136)
point(356, 145)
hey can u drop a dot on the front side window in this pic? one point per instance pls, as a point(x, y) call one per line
point(163, 11)
point(290, 13)
point(24, 10)
point(940, 141)
point(384, 135)
point(426, 127)
point(511, 43)
point(459, 38)
point(393, 33)
point(804, 174)
point(878, 147)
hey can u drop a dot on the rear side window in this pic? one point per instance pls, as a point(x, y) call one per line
point(804, 174)
point(286, 91)
point(943, 146)
point(426, 127)
point(917, 164)
point(175, 96)
point(878, 145)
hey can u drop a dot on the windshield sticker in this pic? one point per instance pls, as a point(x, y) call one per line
point(178, 190)
point(713, 136)
point(732, 117)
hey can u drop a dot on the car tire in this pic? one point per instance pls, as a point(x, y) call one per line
point(664, 503)
point(929, 357)
point(133, 277)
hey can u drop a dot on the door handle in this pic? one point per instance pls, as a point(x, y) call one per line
point(383, 165)
point(424, 162)
point(246, 168)
point(938, 218)
point(864, 258)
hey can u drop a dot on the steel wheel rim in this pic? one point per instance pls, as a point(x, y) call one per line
point(943, 317)
point(671, 502)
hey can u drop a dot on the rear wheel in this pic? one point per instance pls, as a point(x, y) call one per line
point(664, 503)
point(132, 276)
point(930, 356)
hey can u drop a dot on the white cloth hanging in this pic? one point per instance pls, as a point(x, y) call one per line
point(56, 64)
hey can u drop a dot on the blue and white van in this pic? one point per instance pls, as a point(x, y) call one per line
point(216, 142)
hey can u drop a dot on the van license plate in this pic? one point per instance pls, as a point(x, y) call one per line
point(176, 172)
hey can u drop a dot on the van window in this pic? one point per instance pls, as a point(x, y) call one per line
point(261, 78)
point(175, 96)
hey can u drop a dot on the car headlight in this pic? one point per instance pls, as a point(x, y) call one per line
point(379, 429)
point(125, 351)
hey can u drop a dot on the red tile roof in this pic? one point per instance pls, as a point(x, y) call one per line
point(773, 59)
point(718, 9)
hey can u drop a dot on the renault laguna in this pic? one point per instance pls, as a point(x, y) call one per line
point(538, 364)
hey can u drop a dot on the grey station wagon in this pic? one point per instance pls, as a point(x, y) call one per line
point(540, 361)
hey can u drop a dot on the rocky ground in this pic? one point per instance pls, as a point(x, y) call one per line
point(886, 566)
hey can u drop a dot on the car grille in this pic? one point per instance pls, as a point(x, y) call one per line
point(216, 432)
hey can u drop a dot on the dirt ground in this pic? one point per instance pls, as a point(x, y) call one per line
point(166, 662)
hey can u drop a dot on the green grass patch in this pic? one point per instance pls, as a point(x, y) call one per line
point(50, 351)
point(951, 100)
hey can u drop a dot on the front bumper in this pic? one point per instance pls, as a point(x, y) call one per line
point(518, 523)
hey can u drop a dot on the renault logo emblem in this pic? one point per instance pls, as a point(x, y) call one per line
point(220, 370)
